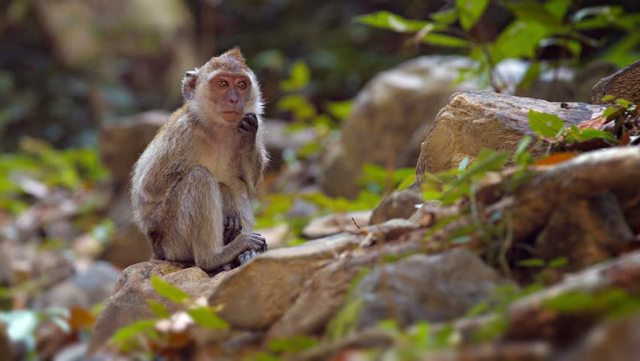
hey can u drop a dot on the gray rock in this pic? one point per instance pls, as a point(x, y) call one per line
point(389, 119)
point(432, 288)
point(476, 120)
point(398, 204)
point(336, 223)
point(85, 289)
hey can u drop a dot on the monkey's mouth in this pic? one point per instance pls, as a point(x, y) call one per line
point(231, 116)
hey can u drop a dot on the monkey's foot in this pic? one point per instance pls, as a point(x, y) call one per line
point(247, 256)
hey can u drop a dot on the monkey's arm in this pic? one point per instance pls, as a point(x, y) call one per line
point(253, 152)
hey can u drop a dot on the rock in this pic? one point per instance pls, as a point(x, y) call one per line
point(389, 118)
point(85, 289)
point(476, 120)
point(143, 44)
point(431, 288)
point(253, 296)
point(624, 84)
point(122, 142)
point(398, 204)
point(259, 293)
point(584, 232)
point(336, 223)
point(615, 340)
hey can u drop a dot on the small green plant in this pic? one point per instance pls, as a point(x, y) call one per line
point(535, 26)
point(168, 330)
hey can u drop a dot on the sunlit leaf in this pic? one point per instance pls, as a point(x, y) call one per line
point(298, 78)
point(206, 317)
point(292, 344)
point(158, 308)
point(445, 17)
point(470, 11)
point(341, 109)
point(558, 8)
point(531, 262)
point(132, 330)
point(390, 21)
point(168, 291)
point(545, 124)
point(444, 40)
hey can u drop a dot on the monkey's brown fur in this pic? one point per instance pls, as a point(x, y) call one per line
point(201, 170)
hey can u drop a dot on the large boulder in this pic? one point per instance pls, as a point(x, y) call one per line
point(252, 296)
point(476, 120)
point(389, 118)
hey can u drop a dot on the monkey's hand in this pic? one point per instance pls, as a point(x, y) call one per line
point(248, 126)
point(232, 228)
point(249, 255)
point(249, 242)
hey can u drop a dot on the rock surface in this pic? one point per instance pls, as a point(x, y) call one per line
point(85, 289)
point(389, 119)
point(398, 204)
point(420, 287)
point(252, 296)
point(476, 120)
point(624, 84)
point(336, 223)
point(122, 142)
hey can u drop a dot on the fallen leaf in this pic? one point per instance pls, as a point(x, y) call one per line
point(556, 158)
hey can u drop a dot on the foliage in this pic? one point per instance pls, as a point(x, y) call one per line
point(417, 341)
point(535, 26)
point(169, 331)
point(70, 169)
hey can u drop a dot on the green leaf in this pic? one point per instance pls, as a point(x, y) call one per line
point(624, 103)
point(531, 11)
point(133, 330)
point(558, 8)
point(558, 262)
point(443, 40)
point(590, 133)
point(445, 17)
point(340, 109)
point(168, 291)
point(544, 124)
point(596, 17)
point(390, 21)
point(206, 317)
point(522, 155)
point(298, 78)
point(519, 39)
point(158, 308)
point(296, 343)
point(470, 11)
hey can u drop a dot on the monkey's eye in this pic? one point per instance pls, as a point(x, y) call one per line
point(223, 83)
point(242, 84)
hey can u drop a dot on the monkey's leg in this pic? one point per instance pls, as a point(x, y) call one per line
point(198, 230)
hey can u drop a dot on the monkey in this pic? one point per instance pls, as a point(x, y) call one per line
point(192, 187)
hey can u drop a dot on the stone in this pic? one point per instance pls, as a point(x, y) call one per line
point(336, 223)
point(584, 232)
point(625, 84)
point(616, 339)
point(85, 289)
point(433, 288)
point(398, 204)
point(389, 119)
point(121, 142)
point(252, 296)
point(477, 120)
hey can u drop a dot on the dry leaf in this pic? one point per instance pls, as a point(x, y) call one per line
point(556, 158)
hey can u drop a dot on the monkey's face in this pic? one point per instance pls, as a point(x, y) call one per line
point(229, 92)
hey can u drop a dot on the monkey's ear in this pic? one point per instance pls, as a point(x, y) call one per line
point(235, 53)
point(189, 84)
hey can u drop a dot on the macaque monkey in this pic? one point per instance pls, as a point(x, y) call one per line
point(192, 187)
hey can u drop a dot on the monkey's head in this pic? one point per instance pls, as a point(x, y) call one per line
point(223, 89)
